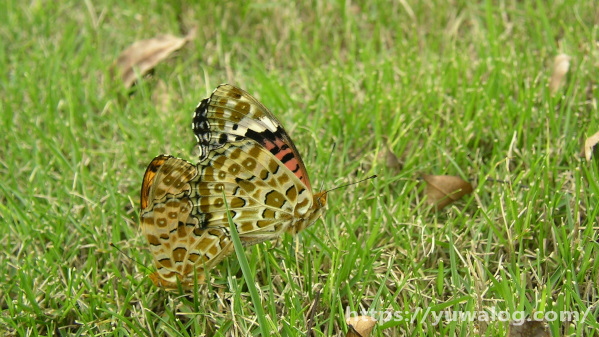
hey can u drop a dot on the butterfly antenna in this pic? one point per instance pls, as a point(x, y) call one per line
point(356, 182)
point(326, 169)
point(129, 257)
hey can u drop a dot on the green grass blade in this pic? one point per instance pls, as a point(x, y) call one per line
point(247, 275)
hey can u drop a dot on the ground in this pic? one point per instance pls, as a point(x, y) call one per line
point(401, 88)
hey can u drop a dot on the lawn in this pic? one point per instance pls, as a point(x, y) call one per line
point(397, 89)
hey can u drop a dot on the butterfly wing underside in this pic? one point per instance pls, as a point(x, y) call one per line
point(248, 167)
point(263, 199)
point(178, 244)
point(231, 114)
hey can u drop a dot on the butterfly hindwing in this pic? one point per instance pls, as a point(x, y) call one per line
point(262, 197)
point(176, 242)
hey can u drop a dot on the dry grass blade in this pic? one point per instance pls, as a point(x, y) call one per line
point(528, 328)
point(360, 326)
point(590, 145)
point(142, 56)
point(561, 65)
point(312, 312)
point(443, 190)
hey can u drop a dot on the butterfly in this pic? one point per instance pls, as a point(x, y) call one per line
point(248, 162)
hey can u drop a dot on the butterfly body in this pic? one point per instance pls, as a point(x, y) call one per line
point(248, 162)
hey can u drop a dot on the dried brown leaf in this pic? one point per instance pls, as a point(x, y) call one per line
point(360, 326)
point(443, 190)
point(590, 145)
point(561, 65)
point(529, 328)
point(142, 56)
point(389, 159)
point(351, 332)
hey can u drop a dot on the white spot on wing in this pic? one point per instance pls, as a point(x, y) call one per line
point(269, 123)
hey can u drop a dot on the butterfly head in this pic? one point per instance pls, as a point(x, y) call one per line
point(318, 206)
point(320, 200)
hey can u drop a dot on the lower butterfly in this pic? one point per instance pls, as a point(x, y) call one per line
point(247, 158)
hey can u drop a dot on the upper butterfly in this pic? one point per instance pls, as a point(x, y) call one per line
point(245, 155)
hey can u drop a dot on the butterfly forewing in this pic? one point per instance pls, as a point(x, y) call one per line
point(231, 114)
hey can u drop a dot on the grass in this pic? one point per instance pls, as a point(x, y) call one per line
point(458, 88)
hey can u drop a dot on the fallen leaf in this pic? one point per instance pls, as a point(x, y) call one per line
point(561, 65)
point(142, 56)
point(389, 159)
point(351, 332)
point(360, 326)
point(590, 145)
point(528, 328)
point(443, 190)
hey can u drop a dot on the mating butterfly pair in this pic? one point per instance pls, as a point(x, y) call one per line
point(246, 157)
